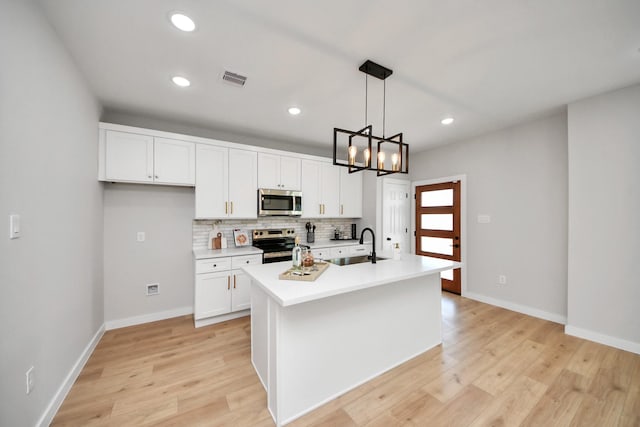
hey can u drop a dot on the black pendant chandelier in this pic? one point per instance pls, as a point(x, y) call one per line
point(361, 150)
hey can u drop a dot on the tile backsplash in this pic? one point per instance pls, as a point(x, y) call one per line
point(324, 228)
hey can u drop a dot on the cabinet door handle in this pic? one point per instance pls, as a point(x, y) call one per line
point(228, 282)
point(341, 209)
point(156, 176)
point(149, 176)
point(234, 281)
point(226, 204)
point(231, 208)
point(320, 207)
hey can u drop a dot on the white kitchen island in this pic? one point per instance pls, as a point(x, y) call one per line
point(313, 341)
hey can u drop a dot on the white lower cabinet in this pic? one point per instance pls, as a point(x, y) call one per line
point(221, 288)
point(341, 251)
point(212, 295)
point(360, 250)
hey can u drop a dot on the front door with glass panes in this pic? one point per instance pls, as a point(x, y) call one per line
point(438, 227)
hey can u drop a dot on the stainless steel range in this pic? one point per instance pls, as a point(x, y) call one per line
point(276, 243)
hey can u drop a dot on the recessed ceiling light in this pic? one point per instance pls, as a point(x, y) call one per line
point(183, 22)
point(447, 121)
point(294, 111)
point(180, 81)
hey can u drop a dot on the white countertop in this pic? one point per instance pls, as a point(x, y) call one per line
point(219, 253)
point(338, 280)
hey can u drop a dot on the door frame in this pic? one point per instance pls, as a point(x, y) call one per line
point(463, 220)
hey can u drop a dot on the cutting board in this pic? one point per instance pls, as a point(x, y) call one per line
point(315, 272)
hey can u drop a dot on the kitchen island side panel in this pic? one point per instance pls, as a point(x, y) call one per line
point(259, 333)
point(329, 346)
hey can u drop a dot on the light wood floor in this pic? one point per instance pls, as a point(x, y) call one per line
point(495, 367)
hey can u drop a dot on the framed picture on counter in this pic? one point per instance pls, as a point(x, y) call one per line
point(241, 237)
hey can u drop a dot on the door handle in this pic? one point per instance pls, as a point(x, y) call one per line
point(234, 281)
point(454, 246)
point(226, 206)
point(228, 282)
point(389, 239)
point(231, 208)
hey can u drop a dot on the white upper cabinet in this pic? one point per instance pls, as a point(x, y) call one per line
point(212, 181)
point(278, 172)
point(350, 193)
point(311, 200)
point(320, 190)
point(243, 184)
point(131, 157)
point(330, 189)
point(174, 162)
point(226, 182)
point(128, 157)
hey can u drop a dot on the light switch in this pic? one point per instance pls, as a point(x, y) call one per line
point(14, 226)
point(141, 236)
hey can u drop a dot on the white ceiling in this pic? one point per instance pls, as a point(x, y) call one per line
point(487, 63)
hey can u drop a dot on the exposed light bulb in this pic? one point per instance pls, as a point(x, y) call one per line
point(352, 154)
point(394, 161)
point(367, 157)
point(381, 157)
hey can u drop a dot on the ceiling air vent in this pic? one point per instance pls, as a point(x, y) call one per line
point(233, 78)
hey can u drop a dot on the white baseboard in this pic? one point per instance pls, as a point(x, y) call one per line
point(586, 334)
point(71, 377)
point(530, 311)
point(146, 318)
point(222, 318)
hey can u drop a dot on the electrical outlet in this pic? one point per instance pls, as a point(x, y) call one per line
point(141, 236)
point(153, 289)
point(502, 279)
point(31, 381)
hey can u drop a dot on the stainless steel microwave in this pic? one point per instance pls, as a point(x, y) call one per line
point(279, 202)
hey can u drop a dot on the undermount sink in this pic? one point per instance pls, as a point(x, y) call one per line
point(353, 260)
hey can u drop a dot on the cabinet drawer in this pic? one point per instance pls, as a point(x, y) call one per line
point(241, 261)
point(324, 253)
point(359, 250)
point(211, 265)
point(340, 252)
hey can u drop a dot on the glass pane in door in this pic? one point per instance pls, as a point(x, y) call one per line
point(437, 245)
point(437, 222)
point(430, 199)
point(448, 275)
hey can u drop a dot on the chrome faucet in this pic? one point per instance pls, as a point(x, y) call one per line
point(373, 251)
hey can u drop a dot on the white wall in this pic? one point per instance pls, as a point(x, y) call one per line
point(165, 214)
point(518, 176)
point(604, 218)
point(51, 278)
point(170, 125)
